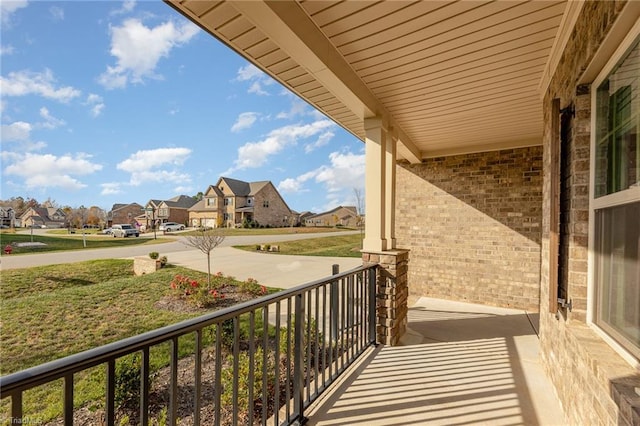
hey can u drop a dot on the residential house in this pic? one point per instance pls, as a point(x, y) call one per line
point(339, 216)
point(231, 202)
point(207, 212)
point(175, 209)
point(502, 166)
point(47, 217)
point(123, 213)
point(7, 216)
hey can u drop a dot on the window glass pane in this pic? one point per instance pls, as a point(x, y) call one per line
point(618, 273)
point(617, 123)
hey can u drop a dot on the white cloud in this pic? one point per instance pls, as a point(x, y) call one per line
point(257, 78)
point(295, 185)
point(339, 178)
point(95, 103)
point(244, 121)
point(57, 13)
point(6, 50)
point(23, 83)
point(7, 8)
point(256, 154)
point(111, 188)
point(127, 7)
point(322, 140)
point(41, 171)
point(298, 108)
point(138, 49)
point(156, 165)
point(18, 131)
point(50, 122)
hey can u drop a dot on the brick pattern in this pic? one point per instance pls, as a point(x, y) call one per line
point(391, 294)
point(277, 214)
point(594, 384)
point(473, 225)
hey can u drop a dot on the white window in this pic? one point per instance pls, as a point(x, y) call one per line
point(616, 201)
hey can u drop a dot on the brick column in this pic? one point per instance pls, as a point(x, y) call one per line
point(391, 293)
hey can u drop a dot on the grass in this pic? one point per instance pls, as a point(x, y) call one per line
point(232, 232)
point(50, 312)
point(334, 246)
point(70, 242)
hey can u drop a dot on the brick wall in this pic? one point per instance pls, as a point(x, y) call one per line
point(594, 384)
point(276, 212)
point(473, 225)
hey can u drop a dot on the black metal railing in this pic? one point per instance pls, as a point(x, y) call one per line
point(264, 360)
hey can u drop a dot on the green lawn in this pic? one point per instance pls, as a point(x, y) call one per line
point(50, 312)
point(69, 242)
point(334, 246)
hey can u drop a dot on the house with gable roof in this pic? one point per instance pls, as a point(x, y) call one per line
point(339, 216)
point(123, 213)
point(175, 209)
point(48, 217)
point(232, 202)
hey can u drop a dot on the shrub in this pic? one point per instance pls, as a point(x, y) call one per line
point(127, 379)
point(243, 379)
point(252, 287)
point(154, 255)
point(194, 293)
point(163, 261)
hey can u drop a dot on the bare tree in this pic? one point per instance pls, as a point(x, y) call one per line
point(205, 241)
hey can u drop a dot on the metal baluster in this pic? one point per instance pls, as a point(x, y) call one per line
point(144, 388)
point(236, 353)
point(252, 350)
point(111, 384)
point(198, 378)
point(68, 400)
point(276, 404)
point(218, 377)
point(173, 394)
point(265, 350)
point(298, 359)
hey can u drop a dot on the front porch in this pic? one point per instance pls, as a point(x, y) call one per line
point(458, 363)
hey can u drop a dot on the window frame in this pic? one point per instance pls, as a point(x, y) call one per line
point(623, 197)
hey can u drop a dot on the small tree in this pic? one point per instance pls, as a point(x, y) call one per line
point(206, 241)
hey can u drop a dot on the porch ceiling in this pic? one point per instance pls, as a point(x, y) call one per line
point(448, 76)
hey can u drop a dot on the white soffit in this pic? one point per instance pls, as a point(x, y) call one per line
point(449, 76)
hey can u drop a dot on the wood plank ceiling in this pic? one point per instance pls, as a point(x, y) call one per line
point(449, 76)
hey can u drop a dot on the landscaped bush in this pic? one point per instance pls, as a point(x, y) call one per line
point(251, 286)
point(154, 255)
point(195, 293)
point(243, 380)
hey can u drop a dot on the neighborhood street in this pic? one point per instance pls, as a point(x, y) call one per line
point(269, 269)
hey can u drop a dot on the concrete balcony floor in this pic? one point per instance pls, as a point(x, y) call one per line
point(459, 364)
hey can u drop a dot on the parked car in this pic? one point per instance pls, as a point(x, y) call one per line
point(124, 230)
point(107, 231)
point(171, 227)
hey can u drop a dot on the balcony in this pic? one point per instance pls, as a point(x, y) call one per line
point(309, 354)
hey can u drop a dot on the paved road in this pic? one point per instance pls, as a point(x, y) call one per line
point(269, 269)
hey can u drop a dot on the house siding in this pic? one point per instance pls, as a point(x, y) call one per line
point(473, 225)
point(277, 214)
point(593, 382)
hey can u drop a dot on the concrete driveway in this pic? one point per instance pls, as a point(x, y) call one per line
point(273, 270)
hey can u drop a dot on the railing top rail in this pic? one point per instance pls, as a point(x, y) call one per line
point(62, 367)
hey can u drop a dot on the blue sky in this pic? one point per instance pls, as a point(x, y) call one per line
point(117, 102)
